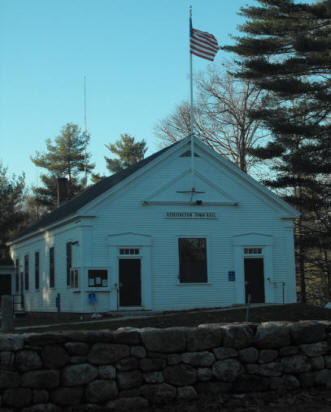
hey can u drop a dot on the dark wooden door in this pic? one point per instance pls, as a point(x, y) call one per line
point(130, 282)
point(254, 279)
point(5, 285)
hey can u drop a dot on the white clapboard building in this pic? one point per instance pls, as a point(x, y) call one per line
point(174, 231)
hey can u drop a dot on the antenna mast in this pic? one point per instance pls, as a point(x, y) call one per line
point(85, 133)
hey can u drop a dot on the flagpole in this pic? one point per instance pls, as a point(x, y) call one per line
point(191, 106)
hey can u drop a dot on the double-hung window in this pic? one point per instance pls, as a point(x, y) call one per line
point(51, 268)
point(69, 263)
point(36, 269)
point(26, 272)
point(192, 260)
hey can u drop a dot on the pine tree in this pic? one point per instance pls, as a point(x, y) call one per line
point(11, 213)
point(287, 51)
point(128, 151)
point(68, 158)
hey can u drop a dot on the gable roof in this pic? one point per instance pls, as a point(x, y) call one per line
point(70, 207)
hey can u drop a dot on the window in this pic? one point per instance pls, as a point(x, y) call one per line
point(26, 272)
point(98, 278)
point(17, 268)
point(253, 251)
point(74, 278)
point(51, 268)
point(129, 251)
point(69, 262)
point(36, 269)
point(192, 260)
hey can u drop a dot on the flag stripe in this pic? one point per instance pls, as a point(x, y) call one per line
point(203, 44)
point(199, 44)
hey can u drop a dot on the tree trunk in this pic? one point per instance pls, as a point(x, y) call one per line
point(301, 256)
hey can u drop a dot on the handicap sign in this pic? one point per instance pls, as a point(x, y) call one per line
point(232, 275)
point(92, 297)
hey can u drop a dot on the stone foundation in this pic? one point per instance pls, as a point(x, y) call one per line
point(133, 368)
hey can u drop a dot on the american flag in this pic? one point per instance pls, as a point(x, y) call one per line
point(203, 44)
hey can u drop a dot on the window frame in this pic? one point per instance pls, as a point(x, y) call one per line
point(37, 272)
point(26, 271)
point(52, 267)
point(204, 277)
point(98, 287)
point(69, 263)
point(17, 275)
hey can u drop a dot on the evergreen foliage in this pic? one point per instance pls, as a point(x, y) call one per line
point(68, 158)
point(288, 53)
point(11, 214)
point(128, 151)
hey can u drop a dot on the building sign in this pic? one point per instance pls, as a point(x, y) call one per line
point(191, 215)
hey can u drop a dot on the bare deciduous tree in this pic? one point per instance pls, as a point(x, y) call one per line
point(221, 116)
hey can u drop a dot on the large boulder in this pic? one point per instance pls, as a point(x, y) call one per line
point(158, 393)
point(41, 379)
point(54, 356)
point(323, 377)
point(9, 379)
point(18, 397)
point(77, 375)
point(271, 335)
point(270, 369)
point(169, 340)
point(27, 360)
point(227, 370)
point(107, 353)
point(307, 331)
point(314, 349)
point(296, 364)
point(42, 339)
point(101, 391)
point(131, 379)
point(180, 375)
point(67, 396)
point(204, 337)
point(248, 355)
point(198, 358)
point(10, 342)
point(77, 348)
point(225, 353)
point(213, 388)
point(107, 372)
point(153, 377)
point(238, 336)
point(267, 355)
point(248, 383)
point(127, 364)
point(136, 403)
point(186, 393)
point(153, 364)
point(128, 336)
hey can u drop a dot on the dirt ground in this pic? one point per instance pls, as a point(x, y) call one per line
point(292, 312)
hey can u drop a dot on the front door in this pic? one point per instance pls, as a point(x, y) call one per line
point(130, 282)
point(254, 279)
point(5, 285)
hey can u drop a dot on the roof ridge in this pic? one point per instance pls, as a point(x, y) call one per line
point(90, 193)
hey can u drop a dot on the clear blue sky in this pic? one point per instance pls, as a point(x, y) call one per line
point(134, 54)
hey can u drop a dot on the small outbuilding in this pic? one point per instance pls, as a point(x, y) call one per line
point(174, 231)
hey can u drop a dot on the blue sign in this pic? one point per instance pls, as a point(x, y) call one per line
point(92, 297)
point(232, 275)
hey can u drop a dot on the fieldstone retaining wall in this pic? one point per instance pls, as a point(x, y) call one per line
point(133, 368)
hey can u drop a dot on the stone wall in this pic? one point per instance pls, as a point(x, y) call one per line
point(133, 368)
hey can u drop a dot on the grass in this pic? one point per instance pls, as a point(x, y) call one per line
point(292, 312)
